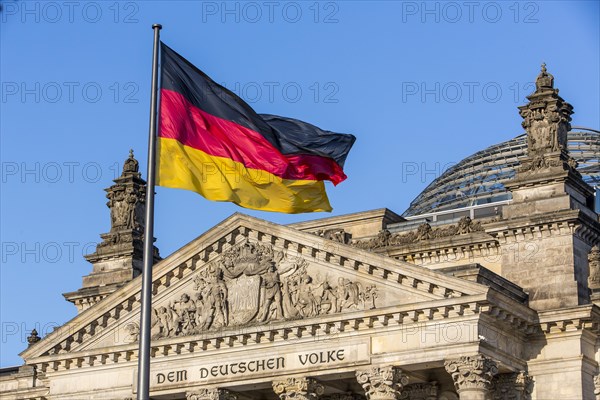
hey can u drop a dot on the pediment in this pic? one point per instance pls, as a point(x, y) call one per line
point(246, 274)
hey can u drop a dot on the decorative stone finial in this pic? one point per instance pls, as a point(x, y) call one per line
point(544, 80)
point(546, 118)
point(131, 165)
point(33, 338)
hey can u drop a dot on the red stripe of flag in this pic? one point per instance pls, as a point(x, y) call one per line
point(193, 127)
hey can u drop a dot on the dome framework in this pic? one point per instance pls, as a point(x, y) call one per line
point(479, 179)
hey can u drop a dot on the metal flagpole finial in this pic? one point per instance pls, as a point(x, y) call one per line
point(155, 26)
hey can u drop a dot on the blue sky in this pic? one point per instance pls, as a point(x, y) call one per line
point(421, 85)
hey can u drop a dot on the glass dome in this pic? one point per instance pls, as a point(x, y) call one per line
point(479, 179)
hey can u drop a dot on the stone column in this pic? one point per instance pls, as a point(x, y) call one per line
point(382, 383)
point(211, 394)
point(420, 391)
point(472, 376)
point(298, 389)
point(512, 386)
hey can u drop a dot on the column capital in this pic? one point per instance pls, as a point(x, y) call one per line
point(512, 386)
point(211, 394)
point(420, 391)
point(382, 383)
point(298, 389)
point(472, 372)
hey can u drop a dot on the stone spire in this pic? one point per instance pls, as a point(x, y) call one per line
point(118, 258)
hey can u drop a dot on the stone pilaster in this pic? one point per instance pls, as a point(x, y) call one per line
point(382, 383)
point(211, 394)
point(420, 391)
point(472, 376)
point(512, 386)
point(298, 389)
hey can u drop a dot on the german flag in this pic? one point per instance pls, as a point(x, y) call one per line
point(213, 143)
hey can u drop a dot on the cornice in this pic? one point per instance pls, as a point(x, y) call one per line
point(280, 333)
point(578, 318)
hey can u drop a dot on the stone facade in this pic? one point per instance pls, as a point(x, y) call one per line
point(345, 308)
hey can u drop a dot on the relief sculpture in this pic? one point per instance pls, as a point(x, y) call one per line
point(424, 232)
point(253, 283)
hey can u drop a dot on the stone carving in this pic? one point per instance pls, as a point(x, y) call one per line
point(420, 391)
point(547, 123)
point(472, 372)
point(424, 232)
point(597, 387)
point(546, 118)
point(254, 283)
point(382, 383)
point(512, 386)
point(336, 235)
point(298, 389)
point(211, 394)
point(594, 264)
point(33, 338)
point(119, 257)
point(132, 332)
point(126, 202)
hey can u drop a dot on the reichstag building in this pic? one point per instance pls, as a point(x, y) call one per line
point(486, 288)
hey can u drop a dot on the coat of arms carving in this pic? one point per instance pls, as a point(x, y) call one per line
point(254, 283)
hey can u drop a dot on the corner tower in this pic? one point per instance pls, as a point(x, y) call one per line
point(118, 258)
point(551, 217)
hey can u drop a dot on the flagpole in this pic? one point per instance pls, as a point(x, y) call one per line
point(143, 379)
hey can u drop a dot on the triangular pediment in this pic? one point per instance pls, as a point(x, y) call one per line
point(247, 274)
